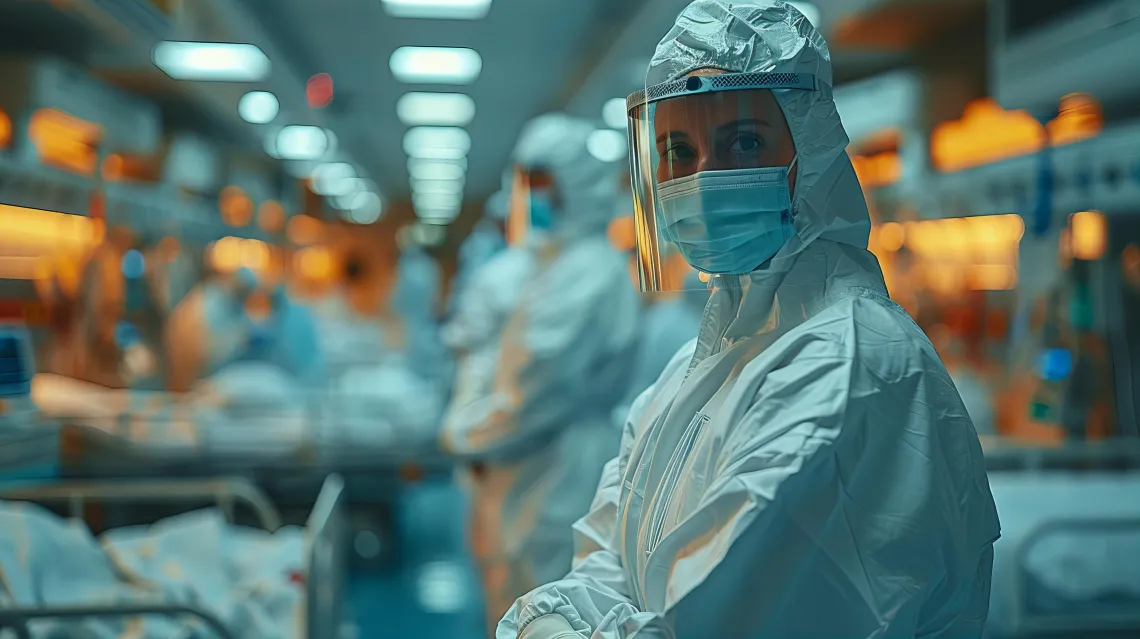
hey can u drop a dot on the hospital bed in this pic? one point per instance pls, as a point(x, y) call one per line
point(111, 432)
point(323, 573)
point(1068, 562)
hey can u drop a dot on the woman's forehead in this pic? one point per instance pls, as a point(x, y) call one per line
point(718, 108)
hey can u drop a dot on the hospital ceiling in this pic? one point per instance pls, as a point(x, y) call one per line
point(537, 55)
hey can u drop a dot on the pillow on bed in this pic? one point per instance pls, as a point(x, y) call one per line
point(252, 386)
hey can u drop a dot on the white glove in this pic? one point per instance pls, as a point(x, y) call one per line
point(549, 627)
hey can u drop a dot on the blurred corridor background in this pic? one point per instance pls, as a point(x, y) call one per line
point(234, 233)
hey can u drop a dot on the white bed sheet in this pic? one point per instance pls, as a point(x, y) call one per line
point(242, 576)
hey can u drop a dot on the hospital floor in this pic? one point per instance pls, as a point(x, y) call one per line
point(431, 588)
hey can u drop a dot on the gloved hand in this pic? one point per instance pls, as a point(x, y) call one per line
point(549, 627)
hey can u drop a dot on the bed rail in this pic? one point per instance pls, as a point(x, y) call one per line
point(1030, 623)
point(18, 618)
point(325, 532)
point(226, 493)
point(1122, 453)
point(327, 535)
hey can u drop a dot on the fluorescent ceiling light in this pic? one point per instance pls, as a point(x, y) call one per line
point(330, 179)
point(258, 107)
point(810, 11)
point(429, 234)
point(299, 142)
point(211, 61)
point(614, 114)
point(413, 162)
point(439, 109)
point(606, 145)
point(435, 171)
point(435, 65)
point(437, 186)
point(437, 216)
point(437, 143)
point(438, 9)
point(348, 191)
point(437, 200)
point(366, 208)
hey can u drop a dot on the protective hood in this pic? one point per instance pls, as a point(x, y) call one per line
point(588, 190)
point(828, 205)
point(498, 206)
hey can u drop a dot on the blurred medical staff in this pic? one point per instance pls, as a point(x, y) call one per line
point(670, 318)
point(230, 318)
point(415, 303)
point(804, 468)
point(485, 303)
point(564, 363)
point(481, 246)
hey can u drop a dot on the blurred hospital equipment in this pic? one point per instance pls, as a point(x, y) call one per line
point(1067, 561)
point(194, 568)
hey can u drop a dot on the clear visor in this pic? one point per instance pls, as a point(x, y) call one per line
point(701, 143)
point(532, 206)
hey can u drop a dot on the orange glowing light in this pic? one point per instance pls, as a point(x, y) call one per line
point(877, 170)
point(985, 133)
point(315, 263)
point(1079, 118)
point(319, 91)
point(303, 230)
point(988, 133)
point(271, 216)
point(622, 234)
point(5, 130)
point(236, 207)
point(112, 168)
point(31, 235)
point(1088, 237)
point(65, 142)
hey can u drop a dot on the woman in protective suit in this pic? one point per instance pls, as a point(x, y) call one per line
point(805, 467)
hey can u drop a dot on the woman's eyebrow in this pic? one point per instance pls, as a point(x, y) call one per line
point(671, 134)
point(736, 124)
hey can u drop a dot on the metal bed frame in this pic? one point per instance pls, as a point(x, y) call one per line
point(325, 534)
point(1034, 624)
point(1120, 454)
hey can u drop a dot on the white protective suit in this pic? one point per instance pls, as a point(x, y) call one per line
point(483, 244)
point(483, 306)
point(544, 432)
point(804, 468)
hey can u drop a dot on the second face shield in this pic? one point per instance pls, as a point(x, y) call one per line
point(711, 159)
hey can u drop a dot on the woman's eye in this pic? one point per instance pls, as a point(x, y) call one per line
point(680, 153)
point(746, 143)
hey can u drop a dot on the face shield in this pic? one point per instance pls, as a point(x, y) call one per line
point(532, 207)
point(712, 163)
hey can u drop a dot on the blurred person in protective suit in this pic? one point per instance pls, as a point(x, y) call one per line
point(538, 440)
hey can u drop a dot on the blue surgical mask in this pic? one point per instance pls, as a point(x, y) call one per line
point(541, 211)
point(728, 222)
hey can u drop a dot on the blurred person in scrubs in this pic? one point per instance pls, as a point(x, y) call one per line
point(415, 302)
point(230, 318)
point(670, 319)
point(484, 242)
point(485, 303)
point(805, 467)
point(544, 430)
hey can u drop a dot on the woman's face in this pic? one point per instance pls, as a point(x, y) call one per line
point(721, 131)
